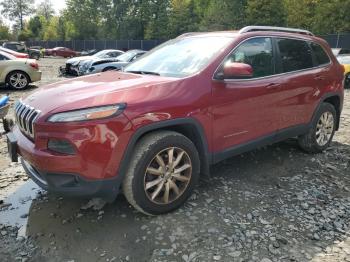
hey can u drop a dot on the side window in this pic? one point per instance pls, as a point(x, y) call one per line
point(320, 55)
point(258, 53)
point(295, 55)
point(2, 58)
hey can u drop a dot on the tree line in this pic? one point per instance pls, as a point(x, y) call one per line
point(164, 19)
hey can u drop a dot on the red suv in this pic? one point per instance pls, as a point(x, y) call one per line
point(152, 129)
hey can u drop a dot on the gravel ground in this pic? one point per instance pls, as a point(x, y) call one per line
point(273, 204)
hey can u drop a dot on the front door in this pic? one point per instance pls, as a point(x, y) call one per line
point(244, 110)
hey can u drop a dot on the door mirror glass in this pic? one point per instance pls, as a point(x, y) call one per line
point(234, 70)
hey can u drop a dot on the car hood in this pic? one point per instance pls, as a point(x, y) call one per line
point(95, 90)
point(78, 59)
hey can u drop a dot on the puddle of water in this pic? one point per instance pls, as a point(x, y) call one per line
point(20, 199)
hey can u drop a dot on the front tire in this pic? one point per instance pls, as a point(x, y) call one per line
point(162, 173)
point(322, 130)
point(17, 80)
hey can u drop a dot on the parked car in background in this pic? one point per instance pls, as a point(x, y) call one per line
point(15, 54)
point(107, 64)
point(72, 65)
point(42, 49)
point(345, 61)
point(152, 129)
point(341, 51)
point(61, 51)
point(21, 48)
point(17, 73)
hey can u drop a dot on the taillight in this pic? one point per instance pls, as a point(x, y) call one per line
point(34, 65)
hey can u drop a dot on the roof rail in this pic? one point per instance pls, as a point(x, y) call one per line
point(274, 28)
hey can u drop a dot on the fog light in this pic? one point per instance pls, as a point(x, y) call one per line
point(61, 146)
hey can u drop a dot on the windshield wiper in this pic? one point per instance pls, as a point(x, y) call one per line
point(143, 73)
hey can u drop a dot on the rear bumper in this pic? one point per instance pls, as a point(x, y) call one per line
point(73, 184)
point(35, 76)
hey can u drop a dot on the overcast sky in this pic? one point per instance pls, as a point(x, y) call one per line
point(58, 5)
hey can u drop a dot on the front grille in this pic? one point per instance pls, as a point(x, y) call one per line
point(26, 117)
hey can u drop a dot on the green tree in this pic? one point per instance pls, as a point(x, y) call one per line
point(301, 13)
point(4, 31)
point(158, 20)
point(183, 17)
point(88, 17)
point(265, 12)
point(224, 15)
point(51, 29)
point(332, 17)
point(17, 10)
point(35, 26)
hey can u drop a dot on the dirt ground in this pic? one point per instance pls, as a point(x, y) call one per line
point(273, 204)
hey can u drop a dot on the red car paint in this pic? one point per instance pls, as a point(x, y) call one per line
point(230, 113)
point(61, 51)
point(14, 53)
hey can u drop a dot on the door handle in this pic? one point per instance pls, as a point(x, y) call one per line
point(273, 86)
point(320, 77)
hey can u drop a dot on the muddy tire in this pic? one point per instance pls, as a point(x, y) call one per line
point(347, 81)
point(162, 173)
point(8, 124)
point(322, 130)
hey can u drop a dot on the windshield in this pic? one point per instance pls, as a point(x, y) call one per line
point(101, 54)
point(180, 57)
point(126, 57)
point(344, 59)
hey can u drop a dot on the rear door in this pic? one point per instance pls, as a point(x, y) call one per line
point(299, 91)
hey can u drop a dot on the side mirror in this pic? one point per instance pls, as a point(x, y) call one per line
point(234, 70)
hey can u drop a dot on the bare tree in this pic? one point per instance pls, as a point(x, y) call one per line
point(17, 9)
point(45, 9)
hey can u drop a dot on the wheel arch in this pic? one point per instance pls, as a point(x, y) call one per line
point(188, 127)
point(109, 68)
point(335, 100)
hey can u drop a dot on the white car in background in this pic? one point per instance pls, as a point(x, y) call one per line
point(17, 73)
point(107, 64)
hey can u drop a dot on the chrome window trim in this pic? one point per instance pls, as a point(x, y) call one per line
point(274, 75)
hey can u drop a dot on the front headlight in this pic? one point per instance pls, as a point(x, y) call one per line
point(88, 113)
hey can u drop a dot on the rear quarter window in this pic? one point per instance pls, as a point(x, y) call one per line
point(321, 57)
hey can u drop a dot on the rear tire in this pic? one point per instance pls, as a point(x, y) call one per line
point(347, 81)
point(322, 130)
point(154, 184)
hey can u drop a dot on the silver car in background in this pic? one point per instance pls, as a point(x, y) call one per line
point(106, 64)
point(72, 65)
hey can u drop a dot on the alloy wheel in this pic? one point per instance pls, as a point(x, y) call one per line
point(167, 175)
point(324, 128)
point(18, 80)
